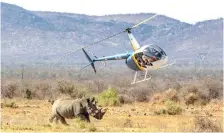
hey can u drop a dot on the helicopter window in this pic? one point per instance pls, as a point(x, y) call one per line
point(158, 49)
point(149, 55)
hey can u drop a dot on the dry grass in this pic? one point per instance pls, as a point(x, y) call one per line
point(33, 115)
point(143, 106)
point(205, 124)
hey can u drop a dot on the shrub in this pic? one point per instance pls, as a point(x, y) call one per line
point(28, 94)
point(160, 111)
point(171, 94)
point(65, 87)
point(9, 105)
point(71, 89)
point(194, 95)
point(215, 88)
point(123, 99)
point(203, 124)
point(99, 86)
point(109, 97)
point(43, 91)
point(79, 92)
point(173, 108)
point(213, 93)
point(204, 99)
point(191, 98)
point(9, 90)
point(157, 98)
point(140, 94)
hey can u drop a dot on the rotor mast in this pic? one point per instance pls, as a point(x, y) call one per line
point(134, 43)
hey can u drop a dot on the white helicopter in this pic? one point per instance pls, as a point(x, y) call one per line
point(141, 59)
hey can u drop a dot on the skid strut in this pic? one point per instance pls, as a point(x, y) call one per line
point(145, 77)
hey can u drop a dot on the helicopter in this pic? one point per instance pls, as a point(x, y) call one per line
point(143, 58)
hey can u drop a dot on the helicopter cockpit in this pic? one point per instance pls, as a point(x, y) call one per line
point(149, 54)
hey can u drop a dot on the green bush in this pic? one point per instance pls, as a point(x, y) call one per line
point(109, 97)
point(160, 111)
point(173, 108)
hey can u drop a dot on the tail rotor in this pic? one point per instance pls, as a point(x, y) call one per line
point(91, 62)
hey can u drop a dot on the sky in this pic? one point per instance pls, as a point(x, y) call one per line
point(190, 11)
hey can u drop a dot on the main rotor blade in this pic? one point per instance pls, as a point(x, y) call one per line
point(92, 43)
point(144, 21)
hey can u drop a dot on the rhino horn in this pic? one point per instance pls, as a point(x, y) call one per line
point(105, 110)
point(102, 111)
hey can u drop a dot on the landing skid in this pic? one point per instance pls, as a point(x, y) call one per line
point(145, 77)
point(168, 65)
point(146, 73)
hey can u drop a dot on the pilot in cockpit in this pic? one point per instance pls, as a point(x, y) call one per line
point(140, 60)
point(148, 60)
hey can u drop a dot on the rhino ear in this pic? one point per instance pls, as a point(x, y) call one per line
point(93, 99)
point(88, 100)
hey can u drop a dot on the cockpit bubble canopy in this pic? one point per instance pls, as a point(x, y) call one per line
point(154, 51)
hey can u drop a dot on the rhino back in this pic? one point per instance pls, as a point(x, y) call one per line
point(67, 108)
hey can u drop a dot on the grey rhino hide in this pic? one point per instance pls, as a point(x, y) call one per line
point(69, 108)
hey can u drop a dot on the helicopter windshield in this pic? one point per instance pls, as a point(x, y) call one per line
point(154, 52)
point(159, 49)
point(149, 55)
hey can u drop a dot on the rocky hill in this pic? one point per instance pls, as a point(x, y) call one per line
point(31, 38)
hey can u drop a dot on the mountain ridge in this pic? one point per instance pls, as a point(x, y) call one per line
point(33, 36)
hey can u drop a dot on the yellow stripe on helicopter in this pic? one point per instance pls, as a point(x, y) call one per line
point(136, 62)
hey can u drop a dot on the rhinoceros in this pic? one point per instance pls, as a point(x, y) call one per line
point(71, 108)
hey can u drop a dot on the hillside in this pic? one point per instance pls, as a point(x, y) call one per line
point(31, 38)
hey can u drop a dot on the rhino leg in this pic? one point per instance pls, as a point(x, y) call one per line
point(62, 119)
point(56, 120)
point(52, 118)
point(84, 117)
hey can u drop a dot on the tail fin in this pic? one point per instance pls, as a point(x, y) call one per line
point(90, 60)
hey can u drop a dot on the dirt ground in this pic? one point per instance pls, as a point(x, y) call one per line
point(33, 115)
